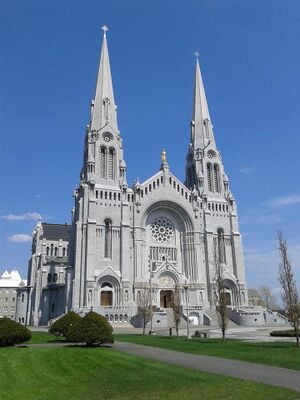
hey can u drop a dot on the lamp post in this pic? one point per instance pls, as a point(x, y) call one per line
point(186, 288)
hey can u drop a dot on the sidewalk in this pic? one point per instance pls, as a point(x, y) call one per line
point(275, 376)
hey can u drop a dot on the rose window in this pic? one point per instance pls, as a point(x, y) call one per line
point(162, 229)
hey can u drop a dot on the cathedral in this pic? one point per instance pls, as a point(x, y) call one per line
point(157, 236)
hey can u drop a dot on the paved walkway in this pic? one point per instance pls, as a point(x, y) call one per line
point(238, 369)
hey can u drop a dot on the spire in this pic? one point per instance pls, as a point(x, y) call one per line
point(201, 124)
point(103, 106)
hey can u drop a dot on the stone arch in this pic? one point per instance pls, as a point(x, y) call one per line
point(171, 252)
point(171, 207)
point(170, 278)
point(232, 292)
point(109, 291)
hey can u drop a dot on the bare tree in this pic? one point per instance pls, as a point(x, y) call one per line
point(262, 297)
point(254, 297)
point(145, 307)
point(290, 296)
point(177, 309)
point(267, 298)
point(220, 296)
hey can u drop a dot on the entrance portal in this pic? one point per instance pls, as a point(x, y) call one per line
point(166, 298)
point(106, 298)
point(228, 298)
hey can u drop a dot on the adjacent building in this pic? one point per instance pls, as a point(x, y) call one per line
point(13, 296)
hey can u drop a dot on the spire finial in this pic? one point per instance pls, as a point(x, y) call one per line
point(163, 155)
point(197, 55)
point(105, 29)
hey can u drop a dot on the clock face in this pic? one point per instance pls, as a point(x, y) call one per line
point(162, 230)
point(211, 154)
point(107, 137)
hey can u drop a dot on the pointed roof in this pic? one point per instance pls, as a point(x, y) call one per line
point(200, 110)
point(104, 107)
point(12, 279)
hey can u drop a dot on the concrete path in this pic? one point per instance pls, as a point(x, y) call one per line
point(238, 369)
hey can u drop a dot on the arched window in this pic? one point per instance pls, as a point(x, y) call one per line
point(49, 278)
point(216, 178)
point(64, 251)
point(51, 249)
point(103, 162)
point(54, 278)
point(209, 177)
point(221, 246)
point(107, 239)
point(55, 251)
point(111, 164)
point(47, 251)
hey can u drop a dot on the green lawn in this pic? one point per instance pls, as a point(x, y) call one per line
point(44, 337)
point(280, 354)
point(78, 373)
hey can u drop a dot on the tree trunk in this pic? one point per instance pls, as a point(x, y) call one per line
point(144, 325)
point(296, 334)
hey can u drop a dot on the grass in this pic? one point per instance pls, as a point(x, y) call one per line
point(44, 337)
point(78, 373)
point(280, 354)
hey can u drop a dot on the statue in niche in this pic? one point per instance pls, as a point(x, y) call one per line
point(163, 156)
point(126, 295)
point(90, 296)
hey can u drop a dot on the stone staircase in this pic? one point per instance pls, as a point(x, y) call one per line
point(213, 316)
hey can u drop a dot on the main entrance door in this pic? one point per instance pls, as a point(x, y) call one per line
point(166, 298)
point(228, 298)
point(106, 298)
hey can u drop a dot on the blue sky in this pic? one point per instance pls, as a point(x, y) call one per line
point(250, 60)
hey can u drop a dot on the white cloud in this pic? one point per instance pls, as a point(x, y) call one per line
point(246, 170)
point(283, 201)
point(20, 238)
point(22, 217)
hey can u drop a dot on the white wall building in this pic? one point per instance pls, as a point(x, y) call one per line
point(13, 296)
point(120, 235)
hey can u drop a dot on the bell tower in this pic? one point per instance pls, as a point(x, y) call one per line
point(103, 151)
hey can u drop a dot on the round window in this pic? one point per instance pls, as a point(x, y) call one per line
point(162, 230)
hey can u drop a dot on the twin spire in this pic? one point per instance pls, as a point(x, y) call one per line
point(201, 122)
point(104, 107)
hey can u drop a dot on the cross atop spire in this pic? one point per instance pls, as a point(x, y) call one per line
point(104, 107)
point(105, 29)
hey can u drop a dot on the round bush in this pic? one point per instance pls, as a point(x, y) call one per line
point(91, 329)
point(12, 333)
point(62, 326)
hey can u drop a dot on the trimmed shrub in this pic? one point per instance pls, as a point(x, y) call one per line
point(62, 326)
point(11, 333)
point(289, 333)
point(91, 329)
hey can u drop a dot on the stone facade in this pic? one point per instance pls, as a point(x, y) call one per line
point(161, 233)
